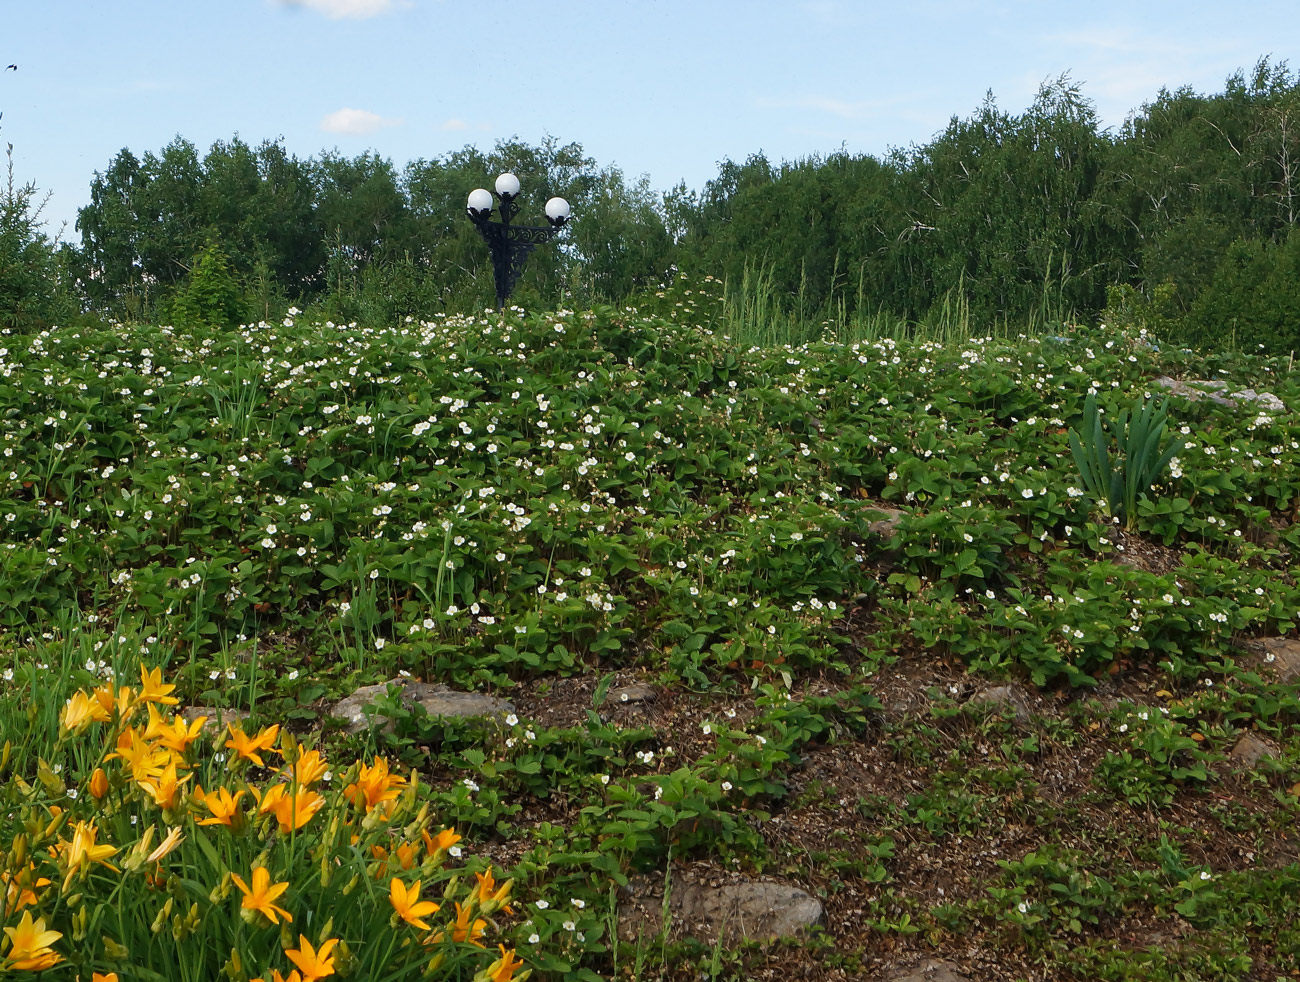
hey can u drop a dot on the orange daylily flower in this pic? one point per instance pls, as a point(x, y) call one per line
point(292, 811)
point(442, 841)
point(223, 805)
point(410, 908)
point(29, 945)
point(262, 895)
point(503, 969)
point(314, 963)
point(467, 927)
point(20, 889)
point(101, 977)
point(252, 748)
point(373, 785)
point(152, 688)
point(489, 895)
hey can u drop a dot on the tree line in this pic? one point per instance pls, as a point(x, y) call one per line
point(1180, 219)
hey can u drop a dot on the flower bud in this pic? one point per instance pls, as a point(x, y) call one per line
point(98, 785)
point(161, 920)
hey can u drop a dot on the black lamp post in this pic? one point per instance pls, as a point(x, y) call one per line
point(511, 244)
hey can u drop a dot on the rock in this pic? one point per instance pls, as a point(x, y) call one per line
point(439, 700)
point(1278, 656)
point(1011, 697)
point(436, 700)
point(636, 692)
point(736, 910)
point(1251, 749)
point(217, 717)
point(887, 524)
point(1197, 389)
point(931, 970)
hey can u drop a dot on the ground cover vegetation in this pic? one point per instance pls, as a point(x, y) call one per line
point(550, 506)
point(1181, 219)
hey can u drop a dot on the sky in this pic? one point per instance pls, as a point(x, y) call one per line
point(664, 89)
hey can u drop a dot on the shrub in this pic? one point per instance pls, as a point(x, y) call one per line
point(211, 295)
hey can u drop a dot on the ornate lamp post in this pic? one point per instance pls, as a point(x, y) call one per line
point(511, 244)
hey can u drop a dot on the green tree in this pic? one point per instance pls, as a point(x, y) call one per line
point(33, 294)
point(210, 297)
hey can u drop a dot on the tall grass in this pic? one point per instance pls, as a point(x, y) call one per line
point(755, 312)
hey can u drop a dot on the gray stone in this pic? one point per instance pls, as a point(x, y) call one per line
point(436, 700)
point(1011, 697)
point(931, 970)
point(735, 910)
point(887, 524)
point(1251, 749)
point(636, 692)
point(1277, 656)
point(1216, 391)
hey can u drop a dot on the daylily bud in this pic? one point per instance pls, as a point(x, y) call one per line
point(113, 951)
point(98, 785)
point(161, 919)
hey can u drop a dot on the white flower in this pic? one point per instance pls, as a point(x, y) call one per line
point(542, 905)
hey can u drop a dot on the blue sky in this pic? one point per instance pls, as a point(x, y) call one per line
point(661, 88)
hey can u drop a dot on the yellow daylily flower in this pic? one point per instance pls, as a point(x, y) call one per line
point(165, 788)
point(20, 888)
point(503, 969)
point(373, 785)
point(142, 758)
point(489, 895)
point(114, 702)
point(77, 855)
point(223, 805)
point(261, 896)
point(80, 711)
point(252, 748)
point(29, 945)
point(314, 964)
point(174, 839)
point(153, 689)
point(410, 908)
point(309, 768)
point(173, 733)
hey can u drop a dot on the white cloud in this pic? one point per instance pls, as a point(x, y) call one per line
point(355, 122)
point(340, 9)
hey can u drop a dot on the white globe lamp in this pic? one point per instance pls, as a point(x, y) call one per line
point(557, 211)
point(480, 203)
point(507, 185)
